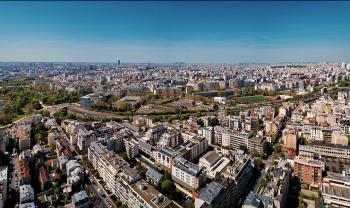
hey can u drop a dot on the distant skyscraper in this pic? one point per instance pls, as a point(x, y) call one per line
point(301, 86)
point(118, 62)
point(343, 65)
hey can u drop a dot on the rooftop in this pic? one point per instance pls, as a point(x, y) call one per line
point(26, 193)
point(150, 195)
point(211, 191)
point(80, 196)
point(309, 161)
point(256, 200)
point(211, 157)
point(188, 167)
point(27, 205)
point(3, 174)
point(154, 175)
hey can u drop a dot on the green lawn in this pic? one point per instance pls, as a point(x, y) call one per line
point(17, 117)
point(252, 99)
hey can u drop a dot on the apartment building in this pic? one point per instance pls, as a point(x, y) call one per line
point(154, 134)
point(4, 139)
point(278, 188)
point(23, 168)
point(193, 147)
point(165, 157)
point(72, 128)
point(234, 139)
point(188, 175)
point(217, 134)
point(169, 139)
point(308, 170)
point(235, 180)
point(85, 137)
point(208, 134)
point(114, 143)
point(326, 150)
point(123, 181)
point(209, 195)
point(3, 186)
point(257, 143)
point(75, 173)
point(289, 138)
point(23, 133)
point(335, 189)
point(131, 147)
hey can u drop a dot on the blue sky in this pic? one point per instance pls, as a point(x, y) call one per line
point(206, 32)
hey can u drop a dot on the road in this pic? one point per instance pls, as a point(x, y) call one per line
point(13, 186)
point(107, 201)
point(77, 110)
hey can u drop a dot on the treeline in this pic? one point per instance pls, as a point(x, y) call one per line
point(26, 100)
point(57, 97)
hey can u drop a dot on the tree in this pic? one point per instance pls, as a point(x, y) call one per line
point(255, 153)
point(262, 183)
point(99, 105)
point(221, 92)
point(122, 106)
point(236, 93)
point(57, 187)
point(303, 141)
point(40, 132)
point(213, 122)
point(301, 204)
point(278, 148)
point(273, 139)
point(200, 122)
point(259, 164)
point(167, 186)
point(36, 105)
point(3, 159)
point(243, 147)
point(30, 108)
point(46, 113)
point(5, 118)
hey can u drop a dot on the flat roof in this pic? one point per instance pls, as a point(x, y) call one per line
point(153, 197)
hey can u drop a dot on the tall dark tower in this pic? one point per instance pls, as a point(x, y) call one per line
point(118, 62)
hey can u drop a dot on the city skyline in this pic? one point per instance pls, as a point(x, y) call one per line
point(168, 32)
